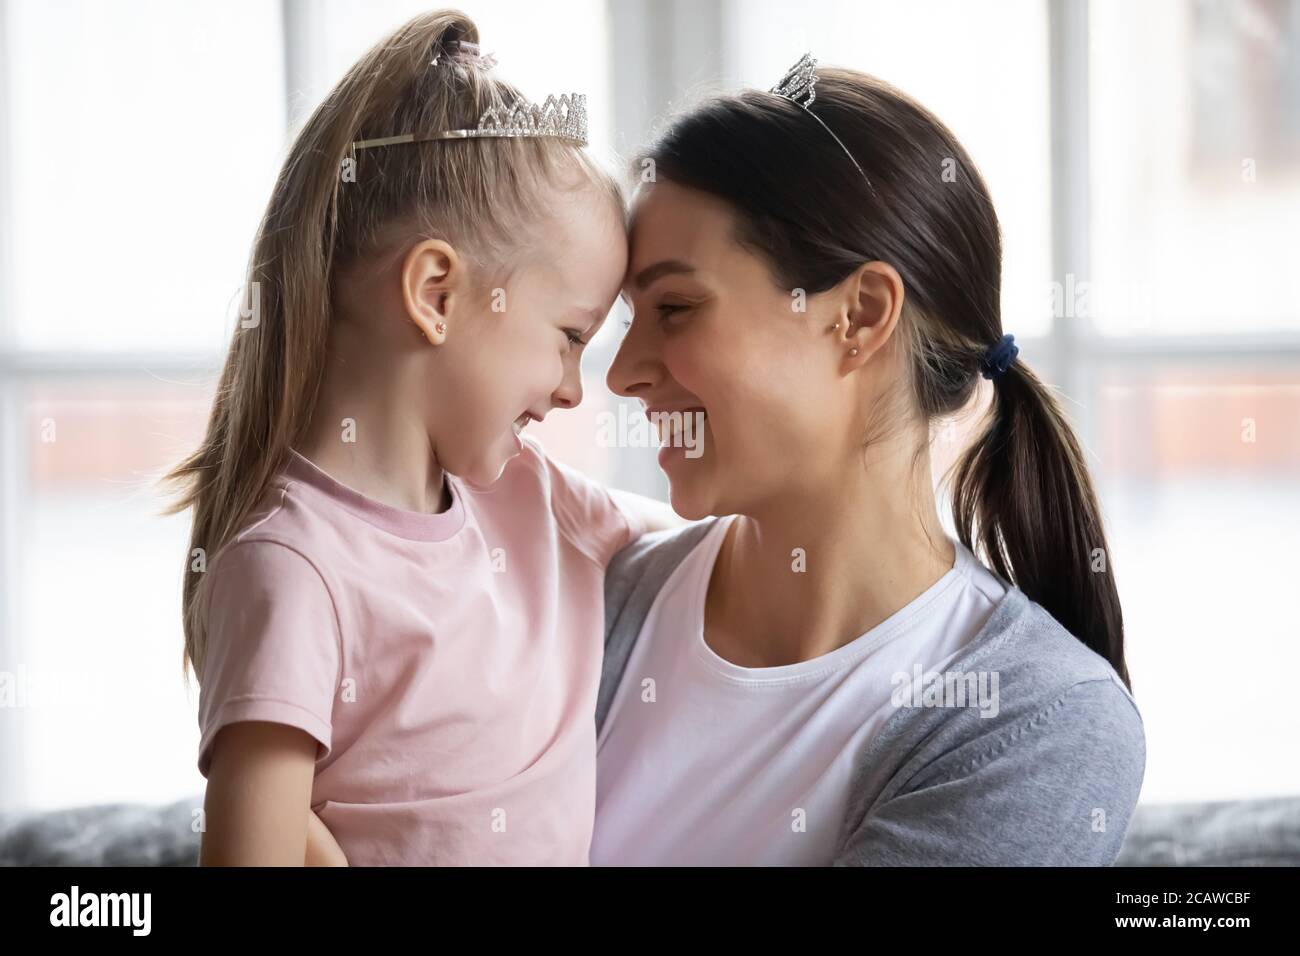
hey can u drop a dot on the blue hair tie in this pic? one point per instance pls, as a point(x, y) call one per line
point(999, 358)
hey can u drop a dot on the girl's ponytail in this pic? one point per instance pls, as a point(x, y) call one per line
point(1024, 492)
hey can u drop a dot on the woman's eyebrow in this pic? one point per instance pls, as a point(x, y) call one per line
point(665, 267)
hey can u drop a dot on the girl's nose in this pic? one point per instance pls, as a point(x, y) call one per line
point(569, 394)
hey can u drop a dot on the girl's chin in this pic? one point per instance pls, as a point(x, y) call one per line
point(489, 468)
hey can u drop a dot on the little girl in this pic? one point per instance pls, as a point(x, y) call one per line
point(400, 624)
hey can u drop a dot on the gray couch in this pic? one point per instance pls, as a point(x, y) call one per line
point(1236, 833)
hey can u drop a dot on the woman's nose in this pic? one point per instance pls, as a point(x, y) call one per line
point(632, 370)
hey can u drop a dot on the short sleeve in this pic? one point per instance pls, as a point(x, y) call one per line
point(587, 512)
point(273, 649)
point(1056, 790)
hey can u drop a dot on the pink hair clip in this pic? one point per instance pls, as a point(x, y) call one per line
point(467, 54)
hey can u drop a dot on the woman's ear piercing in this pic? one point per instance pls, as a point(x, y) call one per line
point(440, 328)
point(835, 326)
point(853, 351)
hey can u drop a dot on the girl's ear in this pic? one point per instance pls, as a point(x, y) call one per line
point(432, 276)
point(872, 304)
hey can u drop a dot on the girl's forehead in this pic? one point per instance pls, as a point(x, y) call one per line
point(587, 252)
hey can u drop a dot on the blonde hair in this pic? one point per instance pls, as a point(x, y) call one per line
point(474, 193)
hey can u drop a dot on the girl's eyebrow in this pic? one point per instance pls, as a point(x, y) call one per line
point(595, 315)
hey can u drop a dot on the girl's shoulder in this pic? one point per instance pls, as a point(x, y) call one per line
point(586, 513)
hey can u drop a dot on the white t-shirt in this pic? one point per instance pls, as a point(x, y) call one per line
point(717, 764)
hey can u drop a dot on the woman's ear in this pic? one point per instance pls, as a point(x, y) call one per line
point(872, 305)
point(432, 277)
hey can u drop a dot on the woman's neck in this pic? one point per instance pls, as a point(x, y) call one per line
point(366, 431)
point(794, 583)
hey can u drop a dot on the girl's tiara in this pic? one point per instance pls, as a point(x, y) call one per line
point(563, 117)
point(799, 85)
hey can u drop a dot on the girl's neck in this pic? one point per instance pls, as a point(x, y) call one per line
point(869, 543)
point(366, 430)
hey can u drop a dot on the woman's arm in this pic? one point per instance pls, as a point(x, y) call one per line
point(258, 796)
point(1056, 787)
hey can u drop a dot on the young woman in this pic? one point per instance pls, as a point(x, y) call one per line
point(817, 278)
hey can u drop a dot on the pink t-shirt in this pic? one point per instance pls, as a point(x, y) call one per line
point(447, 664)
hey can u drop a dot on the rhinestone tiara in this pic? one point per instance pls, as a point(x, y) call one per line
point(800, 82)
point(799, 85)
point(563, 117)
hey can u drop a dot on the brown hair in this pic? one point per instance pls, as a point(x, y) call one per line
point(1022, 491)
point(475, 193)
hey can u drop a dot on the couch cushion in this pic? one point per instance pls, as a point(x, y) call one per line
point(122, 834)
point(1232, 833)
point(1263, 832)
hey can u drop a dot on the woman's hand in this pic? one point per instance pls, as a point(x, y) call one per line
point(322, 848)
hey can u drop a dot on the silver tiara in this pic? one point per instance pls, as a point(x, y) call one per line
point(563, 117)
point(799, 85)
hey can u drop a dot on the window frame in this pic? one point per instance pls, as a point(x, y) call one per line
point(657, 47)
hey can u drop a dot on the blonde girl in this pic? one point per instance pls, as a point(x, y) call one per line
point(400, 622)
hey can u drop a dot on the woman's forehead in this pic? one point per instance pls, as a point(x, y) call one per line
point(671, 221)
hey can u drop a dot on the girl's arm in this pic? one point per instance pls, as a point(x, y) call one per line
point(258, 796)
point(656, 515)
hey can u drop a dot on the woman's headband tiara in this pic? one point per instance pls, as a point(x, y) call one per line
point(799, 85)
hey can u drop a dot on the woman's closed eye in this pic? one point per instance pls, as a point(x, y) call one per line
point(668, 308)
point(665, 311)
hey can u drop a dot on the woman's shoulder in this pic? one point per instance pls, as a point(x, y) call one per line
point(633, 579)
point(637, 572)
point(1040, 678)
point(660, 547)
point(1033, 653)
point(1046, 765)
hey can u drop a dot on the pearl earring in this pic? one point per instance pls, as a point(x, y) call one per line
point(440, 328)
point(853, 351)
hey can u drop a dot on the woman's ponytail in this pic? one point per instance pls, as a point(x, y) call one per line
point(1023, 492)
